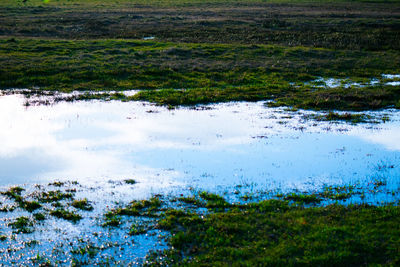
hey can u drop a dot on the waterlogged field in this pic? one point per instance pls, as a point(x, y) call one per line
point(71, 170)
point(199, 133)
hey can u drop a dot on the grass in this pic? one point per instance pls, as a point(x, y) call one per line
point(339, 192)
point(137, 229)
point(82, 204)
point(89, 249)
point(317, 228)
point(53, 196)
point(346, 117)
point(130, 181)
point(57, 184)
point(213, 200)
point(15, 194)
point(111, 219)
point(336, 24)
point(204, 51)
point(357, 99)
point(22, 225)
point(303, 198)
point(275, 233)
point(217, 51)
point(134, 208)
point(145, 208)
point(189, 74)
point(39, 216)
point(31, 205)
point(66, 215)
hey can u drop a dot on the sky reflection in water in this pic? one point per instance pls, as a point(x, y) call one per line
point(230, 144)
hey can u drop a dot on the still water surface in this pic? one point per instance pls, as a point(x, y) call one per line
point(213, 147)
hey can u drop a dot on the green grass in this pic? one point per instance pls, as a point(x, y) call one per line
point(276, 233)
point(367, 98)
point(88, 249)
point(371, 25)
point(134, 208)
point(188, 74)
point(66, 215)
point(303, 198)
point(265, 228)
point(39, 216)
point(82, 204)
point(130, 181)
point(111, 219)
point(31, 205)
point(22, 225)
point(205, 51)
point(53, 196)
point(15, 194)
point(347, 117)
point(57, 184)
point(137, 229)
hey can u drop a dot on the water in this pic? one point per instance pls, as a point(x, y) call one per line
point(217, 147)
point(386, 79)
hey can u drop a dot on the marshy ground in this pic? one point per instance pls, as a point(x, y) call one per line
point(215, 50)
point(51, 224)
point(303, 173)
point(145, 173)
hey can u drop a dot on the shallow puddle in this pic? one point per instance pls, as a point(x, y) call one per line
point(213, 147)
point(385, 79)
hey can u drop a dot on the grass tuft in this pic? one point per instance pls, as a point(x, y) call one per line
point(66, 215)
point(82, 204)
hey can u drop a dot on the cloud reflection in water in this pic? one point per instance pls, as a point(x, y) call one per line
point(227, 145)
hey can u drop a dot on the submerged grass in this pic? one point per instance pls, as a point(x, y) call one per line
point(130, 181)
point(137, 229)
point(15, 194)
point(66, 215)
point(135, 208)
point(39, 216)
point(82, 204)
point(111, 219)
point(303, 198)
point(347, 117)
point(22, 225)
point(53, 196)
point(295, 228)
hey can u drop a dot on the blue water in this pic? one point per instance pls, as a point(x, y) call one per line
point(228, 145)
